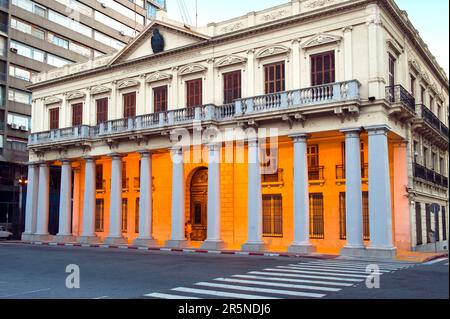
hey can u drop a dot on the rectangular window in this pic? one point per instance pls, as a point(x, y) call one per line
point(444, 223)
point(99, 182)
point(314, 169)
point(425, 157)
point(437, 231)
point(194, 93)
point(54, 118)
point(323, 68)
point(366, 219)
point(124, 175)
point(419, 239)
point(99, 215)
point(27, 51)
point(316, 216)
point(102, 110)
point(428, 222)
point(231, 86)
point(124, 215)
point(413, 86)
point(422, 94)
point(19, 73)
point(160, 99)
point(431, 103)
point(136, 216)
point(27, 28)
point(129, 105)
point(274, 78)
point(77, 114)
point(272, 216)
point(57, 61)
point(19, 96)
point(343, 216)
point(391, 75)
point(57, 40)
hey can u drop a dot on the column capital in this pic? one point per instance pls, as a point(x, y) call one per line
point(177, 150)
point(300, 138)
point(89, 158)
point(115, 156)
point(33, 164)
point(352, 132)
point(145, 153)
point(378, 129)
point(65, 161)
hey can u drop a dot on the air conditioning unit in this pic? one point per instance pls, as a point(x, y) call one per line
point(14, 50)
point(14, 126)
point(23, 128)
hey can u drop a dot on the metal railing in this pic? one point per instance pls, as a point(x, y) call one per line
point(431, 119)
point(398, 94)
point(340, 171)
point(430, 175)
point(316, 173)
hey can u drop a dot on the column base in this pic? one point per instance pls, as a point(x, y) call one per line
point(354, 252)
point(89, 240)
point(301, 249)
point(254, 247)
point(176, 244)
point(27, 237)
point(115, 241)
point(213, 245)
point(65, 239)
point(145, 242)
point(381, 253)
point(43, 238)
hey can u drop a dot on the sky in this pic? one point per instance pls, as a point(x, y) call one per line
point(430, 17)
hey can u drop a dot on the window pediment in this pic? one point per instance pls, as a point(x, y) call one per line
point(191, 68)
point(321, 39)
point(415, 67)
point(100, 89)
point(272, 50)
point(75, 95)
point(52, 100)
point(230, 60)
point(394, 47)
point(158, 76)
point(128, 83)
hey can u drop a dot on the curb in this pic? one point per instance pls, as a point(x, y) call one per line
point(179, 250)
point(435, 257)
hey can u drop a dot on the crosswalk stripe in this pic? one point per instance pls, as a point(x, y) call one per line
point(432, 262)
point(387, 267)
point(355, 262)
point(168, 296)
point(334, 269)
point(275, 284)
point(280, 273)
point(317, 282)
point(263, 290)
point(292, 269)
point(220, 293)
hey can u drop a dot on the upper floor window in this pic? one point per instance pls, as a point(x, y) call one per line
point(18, 121)
point(30, 6)
point(323, 68)
point(129, 105)
point(77, 114)
point(19, 96)
point(54, 118)
point(431, 103)
point(56, 60)
point(194, 93)
point(27, 28)
point(274, 78)
point(391, 75)
point(19, 72)
point(231, 86)
point(27, 51)
point(422, 94)
point(57, 40)
point(413, 86)
point(160, 99)
point(102, 110)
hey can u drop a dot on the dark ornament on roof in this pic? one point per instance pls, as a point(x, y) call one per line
point(157, 41)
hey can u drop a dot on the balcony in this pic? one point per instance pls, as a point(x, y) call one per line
point(316, 175)
point(341, 176)
point(430, 176)
point(429, 125)
point(401, 100)
point(272, 105)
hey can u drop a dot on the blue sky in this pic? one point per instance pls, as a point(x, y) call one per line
point(430, 17)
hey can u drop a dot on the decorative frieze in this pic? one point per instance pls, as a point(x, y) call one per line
point(272, 50)
point(127, 83)
point(75, 95)
point(191, 68)
point(321, 39)
point(158, 76)
point(230, 60)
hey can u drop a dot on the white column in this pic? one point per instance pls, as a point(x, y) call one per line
point(250, 73)
point(145, 237)
point(301, 244)
point(65, 204)
point(31, 205)
point(380, 209)
point(178, 238)
point(353, 193)
point(348, 53)
point(173, 99)
point(88, 235)
point(254, 241)
point(43, 204)
point(115, 208)
point(213, 240)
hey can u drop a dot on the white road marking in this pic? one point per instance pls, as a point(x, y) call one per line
point(275, 284)
point(317, 282)
point(362, 266)
point(292, 269)
point(220, 293)
point(264, 290)
point(334, 269)
point(280, 273)
point(432, 262)
point(168, 296)
point(103, 297)
point(24, 293)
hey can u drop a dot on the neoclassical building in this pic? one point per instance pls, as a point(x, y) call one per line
point(317, 125)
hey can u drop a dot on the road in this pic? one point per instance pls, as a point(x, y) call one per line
point(38, 272)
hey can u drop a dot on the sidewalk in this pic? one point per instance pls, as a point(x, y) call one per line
point(420, 257)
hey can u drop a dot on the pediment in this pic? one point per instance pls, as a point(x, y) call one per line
point(158, 76)
point(230, 60)
point(414, 65)
point(272, 50)
point(173, 36)
point(52, 100)
point(128, 83)
point(191, 68)
point(75, 95)
point(321, 39)
point(100, 90)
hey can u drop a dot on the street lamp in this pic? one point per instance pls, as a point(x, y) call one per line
point(22, 182)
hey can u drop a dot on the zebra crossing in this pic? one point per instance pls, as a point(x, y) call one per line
point(311, 279)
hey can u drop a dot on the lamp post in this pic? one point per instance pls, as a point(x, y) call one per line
point(22, 182)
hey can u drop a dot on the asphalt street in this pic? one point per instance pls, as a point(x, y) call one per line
point(38, 272)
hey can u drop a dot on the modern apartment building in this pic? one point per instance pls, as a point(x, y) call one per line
point(36, 36)
point(313, 125)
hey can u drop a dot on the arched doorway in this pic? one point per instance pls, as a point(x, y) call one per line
point(199, 204)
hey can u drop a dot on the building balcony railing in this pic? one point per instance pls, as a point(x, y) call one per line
point(340, 172)
point(239, 109)
point(430, 175)
point(431, 119)
point(398, 94)
point(316, 173)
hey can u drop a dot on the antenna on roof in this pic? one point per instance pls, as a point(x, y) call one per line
point(196, 13)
